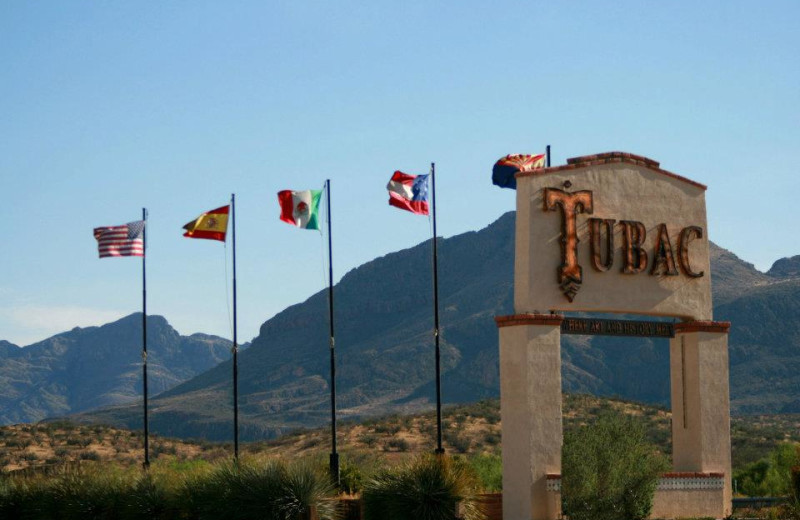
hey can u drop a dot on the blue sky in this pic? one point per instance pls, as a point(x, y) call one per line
point(108, 107)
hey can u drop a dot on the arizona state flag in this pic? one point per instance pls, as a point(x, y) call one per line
point(212, 225)
point(507, 167)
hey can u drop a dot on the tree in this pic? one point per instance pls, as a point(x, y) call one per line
point(771, 476)
point(609, 470)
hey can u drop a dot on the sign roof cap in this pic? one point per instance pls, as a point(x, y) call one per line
point(628, 157)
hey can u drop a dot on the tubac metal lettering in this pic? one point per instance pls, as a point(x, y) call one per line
point(687, 235)
point(635, 257)
point(570, 273)
point(595, 225)
point(663, 259)
point(633, 254)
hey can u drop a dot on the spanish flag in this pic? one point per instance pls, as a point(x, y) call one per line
point(212, 225)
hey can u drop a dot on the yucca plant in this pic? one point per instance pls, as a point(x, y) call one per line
point(150, 498)
point(429, 487)
point(79, 494)
point(17, 498)
point(268, 490)
point(304, 489)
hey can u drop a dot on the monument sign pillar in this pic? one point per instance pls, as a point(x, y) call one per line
point(612, 233)
point(530, 380)
point(701, 444)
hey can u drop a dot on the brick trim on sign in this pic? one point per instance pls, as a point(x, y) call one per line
point(703, 326)
point(529, 319)
point(674, 474)
point(600, 159)
point(692, 474)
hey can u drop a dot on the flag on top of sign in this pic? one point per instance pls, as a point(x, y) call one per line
point(125, 240)
point(212, 225)
point(506, 168)
point(409, 192)
point(300, 208)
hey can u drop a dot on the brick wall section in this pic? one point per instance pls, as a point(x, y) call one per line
point(703, 326)
point(492, 505)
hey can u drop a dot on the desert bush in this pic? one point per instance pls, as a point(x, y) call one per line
point(369, 439)
point(21, 444)
point(89, 455)
point(391, 428)
point(610, 471)
point(397, 444)
point(429, 487)
point(461, 443)
point(492, 438)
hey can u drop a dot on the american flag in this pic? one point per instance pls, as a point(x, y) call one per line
point(125, 240)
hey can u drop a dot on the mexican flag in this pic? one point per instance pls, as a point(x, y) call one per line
point(300, 208)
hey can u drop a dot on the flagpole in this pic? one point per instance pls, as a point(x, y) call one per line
point(439, 449)
point(144, 340)
point(547, 157)
point(235, 341)
point(334, 458)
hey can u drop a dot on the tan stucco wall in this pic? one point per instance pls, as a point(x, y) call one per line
point(674, 503)
point(701, 437)
point(622, 192)
point(686, 503)
point(530, 408)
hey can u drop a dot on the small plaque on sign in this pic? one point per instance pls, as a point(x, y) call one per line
point(597, 327)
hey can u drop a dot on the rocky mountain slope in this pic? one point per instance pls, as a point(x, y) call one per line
point(92, 367)
point(385, 347)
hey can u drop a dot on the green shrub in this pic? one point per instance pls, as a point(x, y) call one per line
point(351, 479)
point(429, 487)
point(489, 469)
point(771, 476)
point(610, 471)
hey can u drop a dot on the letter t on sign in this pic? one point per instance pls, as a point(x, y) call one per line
point(570, 274)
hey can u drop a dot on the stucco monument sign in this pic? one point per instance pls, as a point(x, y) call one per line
point(613, 233)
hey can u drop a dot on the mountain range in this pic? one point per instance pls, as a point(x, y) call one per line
point(93, 367)
point(384, 346)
